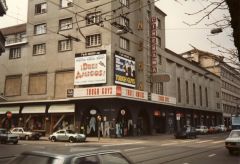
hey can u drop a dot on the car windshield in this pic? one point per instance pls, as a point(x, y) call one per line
point(234, 134)
point(70, 131)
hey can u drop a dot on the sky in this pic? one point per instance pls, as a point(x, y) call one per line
point(179, 36)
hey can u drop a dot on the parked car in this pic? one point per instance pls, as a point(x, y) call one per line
point(7, 137)
point(67, 135)
point(186, 132)
point(212, 130)
point(202, 129)
point(25, 134)
point(232, 143)
point(221, 128)
point(84, 157)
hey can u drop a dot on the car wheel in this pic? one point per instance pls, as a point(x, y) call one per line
point(27, 138)
point(53, 139)
point(15, 142)
point(71, 140)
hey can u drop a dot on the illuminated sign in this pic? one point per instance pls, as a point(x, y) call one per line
point(154, 44)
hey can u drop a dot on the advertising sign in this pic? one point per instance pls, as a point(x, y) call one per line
point(154, 44)
point(90, 68)
point(124, 70)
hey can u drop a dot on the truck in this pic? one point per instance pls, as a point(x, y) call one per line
point(235, 121)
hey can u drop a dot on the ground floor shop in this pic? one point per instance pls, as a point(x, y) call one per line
point(109, 117)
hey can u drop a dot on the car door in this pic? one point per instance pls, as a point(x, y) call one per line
point(61, 135)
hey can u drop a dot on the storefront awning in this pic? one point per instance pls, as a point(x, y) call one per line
point(34, 109)
point(63, 108)
point(13, 109)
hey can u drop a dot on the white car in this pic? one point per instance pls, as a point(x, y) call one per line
point(67, 135)
point(201, 129)
point(232, 143)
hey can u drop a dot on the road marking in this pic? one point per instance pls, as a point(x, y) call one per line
point(219, 141)
point(129, 143)
point(211, 155)
point(174, 143)
point(132, 149)
point(203, 141)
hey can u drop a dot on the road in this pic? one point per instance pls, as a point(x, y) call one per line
point(164, 149)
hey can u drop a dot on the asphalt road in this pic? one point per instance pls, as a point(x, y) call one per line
point(164, 149)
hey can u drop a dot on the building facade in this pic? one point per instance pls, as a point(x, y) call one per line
point(230, 80)
point(100, 65)
point(3, 9)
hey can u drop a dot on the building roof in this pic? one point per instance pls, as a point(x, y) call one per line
point(14, 29)
point(160, 11)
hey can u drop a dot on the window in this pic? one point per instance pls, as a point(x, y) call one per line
point(159, 59)
point(41, 8)
point(206, 96)
point(158, 41)
point(125, 2)
point(158, 23)
point(40, 29)
point(194, 94)
point(87, 160)
point(66, 3)
point(64, 45)
point(124, 43)
point(15, 53)
point(37, 84)
point(187, 93)
point(65, 24)
point(179, 89)
point(63, 81)
point(124, 21)
point(159, 88)
point(93, 18)
point(93, 40)
point(13, 85)
point(200, 95)
point(39, 49)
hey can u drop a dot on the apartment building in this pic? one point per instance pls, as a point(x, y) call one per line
point(230, 80)
point(91, 64)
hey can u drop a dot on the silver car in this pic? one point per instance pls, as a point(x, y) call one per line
point(67, 135)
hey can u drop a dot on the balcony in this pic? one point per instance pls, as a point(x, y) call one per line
point(15, 41)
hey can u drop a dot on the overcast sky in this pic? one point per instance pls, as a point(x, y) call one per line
point(179, 36)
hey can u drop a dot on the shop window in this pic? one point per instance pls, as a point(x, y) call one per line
point(65, 24)
point(63, 81)
point(15, 53)
point(37, 84)
point(13, 85)
point(41, 8)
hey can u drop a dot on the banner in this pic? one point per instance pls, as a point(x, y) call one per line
point(124, 73)
point(90, 68)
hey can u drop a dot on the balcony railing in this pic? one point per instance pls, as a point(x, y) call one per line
point(15, 41)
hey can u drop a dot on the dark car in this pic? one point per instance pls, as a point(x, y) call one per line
point(186, 132)
point(84, 157)
point(7, 137)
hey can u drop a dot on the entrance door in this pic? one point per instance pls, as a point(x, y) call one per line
point(143, 127)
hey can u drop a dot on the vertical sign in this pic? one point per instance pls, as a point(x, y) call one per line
point(154, 44)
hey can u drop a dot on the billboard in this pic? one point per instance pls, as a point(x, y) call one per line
point(124, 70)
point(90, 68)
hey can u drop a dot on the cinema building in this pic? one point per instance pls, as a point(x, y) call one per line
point(104, 67)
